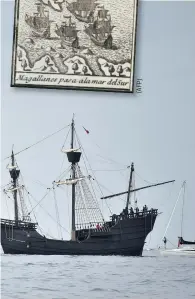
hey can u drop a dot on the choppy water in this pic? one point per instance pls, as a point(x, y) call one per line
point(91, 277)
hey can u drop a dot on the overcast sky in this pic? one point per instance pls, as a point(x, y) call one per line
point(155, 129)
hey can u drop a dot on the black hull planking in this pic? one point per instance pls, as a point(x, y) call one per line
point(127, 237)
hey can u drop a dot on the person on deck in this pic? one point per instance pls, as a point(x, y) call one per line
point(165, 242)
point(98, 226)
point(137, 211)
point(179, 242)
point(131, 212)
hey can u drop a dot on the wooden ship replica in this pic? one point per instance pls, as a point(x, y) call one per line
point(68, 33)
point(123, 234)
point(39, 22)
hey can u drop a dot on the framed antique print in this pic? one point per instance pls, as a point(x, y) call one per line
point(74, 44)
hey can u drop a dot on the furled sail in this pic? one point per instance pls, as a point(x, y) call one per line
point(11, 167)
point(70, 150)
point(69, 181)
point(14, 189)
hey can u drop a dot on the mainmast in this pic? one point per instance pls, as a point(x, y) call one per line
point(73, 185)
point(130, 183)
point(73, 157)
point(14, 173)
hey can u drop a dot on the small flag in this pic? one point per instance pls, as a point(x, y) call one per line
point(86, 130)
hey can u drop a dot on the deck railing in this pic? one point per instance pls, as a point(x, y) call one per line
point(105, 226)
point(19, 223)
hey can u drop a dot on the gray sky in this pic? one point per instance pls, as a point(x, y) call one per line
point(155, 129)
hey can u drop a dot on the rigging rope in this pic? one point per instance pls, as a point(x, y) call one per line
point(57, 212)
point(105, 158)
point(62, 148)
point(92, 171)
point(7, 203)
point(91, 203)
point(38, 142)
point(171, 243)
point(38, 202)
point(99, 184)
point(143, 179)
point(29, 197)
point(3, 186)
point(112, 192)
point(173, 211)
point(31, 206)
point(44, 233)
point(49, 213)
point(95, 170)
point(67, 195)
point(63, 173)
point(110, 160)
point(66, 137)
point(89, 165)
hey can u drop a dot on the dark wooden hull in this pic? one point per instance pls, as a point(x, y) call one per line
point(127, 237)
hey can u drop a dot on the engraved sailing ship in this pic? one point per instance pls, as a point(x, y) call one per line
point(39, 22)
point(68, 33)
point(83, 10)
point(100, 30)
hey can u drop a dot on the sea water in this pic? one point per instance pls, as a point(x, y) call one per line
point(95, 277)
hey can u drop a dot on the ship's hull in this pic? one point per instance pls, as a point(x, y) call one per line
point(73, 42)
point(127, 237)
point(100, 43)
point(178, 251)
point(67, 41)
point(38, 31)
point(85, 19)
point(105, 42)
point(45, 33)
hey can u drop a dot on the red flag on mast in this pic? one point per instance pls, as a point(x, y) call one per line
point(86, 130)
